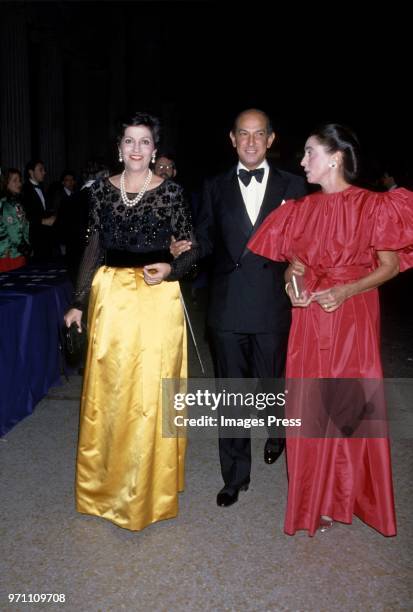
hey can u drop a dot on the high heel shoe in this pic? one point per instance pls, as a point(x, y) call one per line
point(326, 523)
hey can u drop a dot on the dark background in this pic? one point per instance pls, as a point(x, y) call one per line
point(197, 64)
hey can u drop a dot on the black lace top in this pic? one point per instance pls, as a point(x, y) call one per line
point(143, 228)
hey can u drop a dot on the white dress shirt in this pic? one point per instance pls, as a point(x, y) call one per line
point(253, 195)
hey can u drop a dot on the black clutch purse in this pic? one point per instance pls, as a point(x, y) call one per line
point(74, 343)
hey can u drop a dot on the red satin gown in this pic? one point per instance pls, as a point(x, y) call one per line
point(336, 236)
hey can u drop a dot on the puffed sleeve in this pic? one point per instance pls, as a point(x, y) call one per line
point(393, 225)
point(273, 238)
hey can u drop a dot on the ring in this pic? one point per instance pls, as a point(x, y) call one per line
point(325, 305)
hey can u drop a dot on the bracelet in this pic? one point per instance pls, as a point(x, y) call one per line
point(287, 285)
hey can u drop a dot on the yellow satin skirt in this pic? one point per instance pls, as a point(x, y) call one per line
point(127, 471)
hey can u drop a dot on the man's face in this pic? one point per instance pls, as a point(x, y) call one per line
point(251, 139)
point(69, 182)
point(165, 168)
point(38, 173)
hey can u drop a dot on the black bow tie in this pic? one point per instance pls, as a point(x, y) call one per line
point(246, 175)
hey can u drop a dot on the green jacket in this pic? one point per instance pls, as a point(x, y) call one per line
point(14, 228)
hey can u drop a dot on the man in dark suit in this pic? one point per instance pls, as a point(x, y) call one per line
point(42, 235)
point(74, 215)
point(249, 312)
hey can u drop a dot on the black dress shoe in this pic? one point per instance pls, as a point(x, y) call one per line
point(227, 497)
point(273, 449)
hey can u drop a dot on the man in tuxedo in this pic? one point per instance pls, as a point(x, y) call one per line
point(74, 214)
point(42, 234)
point(61, 198)
point(249, 312)
point(62, 192)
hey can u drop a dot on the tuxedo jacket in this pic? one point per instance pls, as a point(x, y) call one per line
point(247, 291)
point(33, 205)
point(42, 237)
point(72, 219)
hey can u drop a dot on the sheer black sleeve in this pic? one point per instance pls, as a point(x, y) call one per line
point(93, 255)
point(182, 230)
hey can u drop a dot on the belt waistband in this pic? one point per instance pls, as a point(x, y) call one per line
point(129, 259)
point(323, 278)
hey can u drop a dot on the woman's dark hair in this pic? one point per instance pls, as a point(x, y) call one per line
point(337, 137)
point(6, 177)
point(146, 119)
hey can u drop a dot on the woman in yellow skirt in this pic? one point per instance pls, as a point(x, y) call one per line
point(129, 470)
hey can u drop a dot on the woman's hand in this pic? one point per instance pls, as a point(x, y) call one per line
point(297, 267)
point(156, 273)
point(74, 315)
point(300, 302)
point(177, 247)
point(331, 299)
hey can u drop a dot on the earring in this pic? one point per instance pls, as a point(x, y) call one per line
point(120, 157)
point(332, 165)
point(153, 157)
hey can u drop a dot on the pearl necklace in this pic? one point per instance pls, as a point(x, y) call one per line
point(139, 195)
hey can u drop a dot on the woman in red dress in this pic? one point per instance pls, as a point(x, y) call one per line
point(346, 241)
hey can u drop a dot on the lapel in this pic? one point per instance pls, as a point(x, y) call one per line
point(235, 204)
point(274, 194)
point(37, 198)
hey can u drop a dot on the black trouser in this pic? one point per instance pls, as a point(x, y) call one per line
point(239, 355)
